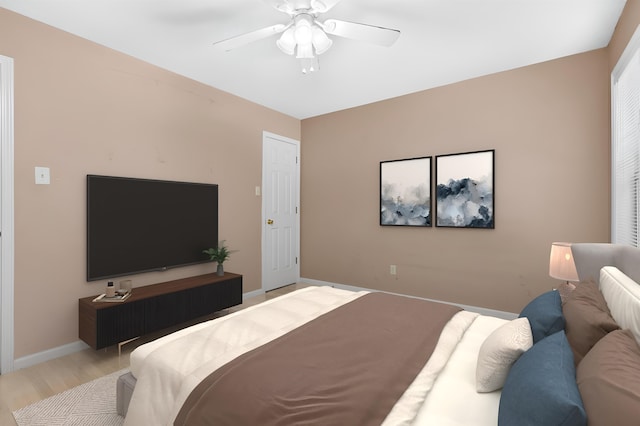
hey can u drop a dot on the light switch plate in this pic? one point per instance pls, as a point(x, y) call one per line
point(43, 176)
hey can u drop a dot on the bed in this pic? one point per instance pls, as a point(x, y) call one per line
point(322, 355)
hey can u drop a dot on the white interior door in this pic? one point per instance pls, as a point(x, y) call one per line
point(281, 220)
point(6, 214)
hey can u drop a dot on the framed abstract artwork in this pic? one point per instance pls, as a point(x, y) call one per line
point(465, 190)
point(405, 192)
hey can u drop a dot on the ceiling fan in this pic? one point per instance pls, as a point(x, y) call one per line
point(305, 36)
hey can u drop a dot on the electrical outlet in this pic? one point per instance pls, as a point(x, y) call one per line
point(393, 270)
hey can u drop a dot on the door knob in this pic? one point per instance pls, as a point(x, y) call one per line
point(269, 221)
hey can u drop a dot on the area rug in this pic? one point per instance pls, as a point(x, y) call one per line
point(90, 404)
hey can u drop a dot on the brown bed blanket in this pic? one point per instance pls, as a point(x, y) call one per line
point(346, 367)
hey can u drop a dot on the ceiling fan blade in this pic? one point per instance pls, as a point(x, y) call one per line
point(363, 32)
point(250, 37)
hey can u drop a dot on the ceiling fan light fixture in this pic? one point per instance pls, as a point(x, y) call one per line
point(305, 37)
point(303, 32)
point(321, 42)
point(305, 51)
point(287, 41)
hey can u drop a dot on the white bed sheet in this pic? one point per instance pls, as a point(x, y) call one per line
point(168, 369)
point(453, 401)
point(405, 410)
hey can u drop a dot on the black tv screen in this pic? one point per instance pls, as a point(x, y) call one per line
point(141, 225)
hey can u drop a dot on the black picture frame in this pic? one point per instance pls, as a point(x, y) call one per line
point(406, 192)
point(465, 190)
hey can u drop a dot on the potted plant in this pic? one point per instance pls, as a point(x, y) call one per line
point(219, 254)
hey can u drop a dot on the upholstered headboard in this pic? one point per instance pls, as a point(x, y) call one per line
point(591, 257)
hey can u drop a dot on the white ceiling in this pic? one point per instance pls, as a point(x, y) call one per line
point(442, 41)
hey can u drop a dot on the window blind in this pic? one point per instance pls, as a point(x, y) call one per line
point(625, 146)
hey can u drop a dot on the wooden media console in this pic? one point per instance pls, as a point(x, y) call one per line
point(155, 307)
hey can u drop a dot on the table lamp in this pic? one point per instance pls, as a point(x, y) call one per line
point(562, 266)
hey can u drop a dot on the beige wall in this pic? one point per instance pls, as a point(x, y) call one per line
point(549, 125)
point(81, 108)
point(624, 30)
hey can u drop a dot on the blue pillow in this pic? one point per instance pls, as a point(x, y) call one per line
point(545, 315)
point(541, 387)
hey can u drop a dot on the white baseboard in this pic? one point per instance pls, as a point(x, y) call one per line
point(49, 354)
point(482, 311)
point(251, 294)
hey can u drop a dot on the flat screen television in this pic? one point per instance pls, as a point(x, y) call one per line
point(141, 225)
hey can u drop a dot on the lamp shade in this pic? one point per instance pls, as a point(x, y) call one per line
point(287, 42)
point(561, 264)
point(321, 42)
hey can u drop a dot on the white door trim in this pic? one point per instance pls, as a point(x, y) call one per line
point(264, 228)
point(6, 215)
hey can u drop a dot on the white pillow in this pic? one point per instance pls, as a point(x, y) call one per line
point(500, 351)
point(623, 299)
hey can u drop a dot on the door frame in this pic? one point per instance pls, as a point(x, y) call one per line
point(6, 215)
point(265, 181)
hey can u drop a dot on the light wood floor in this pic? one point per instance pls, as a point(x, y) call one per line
point(23, 387)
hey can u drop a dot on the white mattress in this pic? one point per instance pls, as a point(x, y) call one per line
point(169, 368)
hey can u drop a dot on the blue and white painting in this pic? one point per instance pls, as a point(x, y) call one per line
point(465, 190)
point(405, 192)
